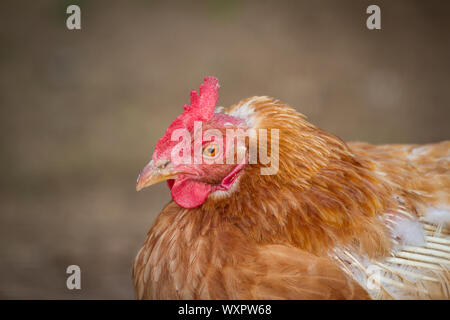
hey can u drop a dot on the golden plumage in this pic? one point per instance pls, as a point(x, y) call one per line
point(331, 223)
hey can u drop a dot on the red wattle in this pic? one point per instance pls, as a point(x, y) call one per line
point(189, 194)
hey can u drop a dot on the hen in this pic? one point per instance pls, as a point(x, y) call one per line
point(333, 220)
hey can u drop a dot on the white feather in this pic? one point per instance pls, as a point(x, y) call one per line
point(409, 231)
point(438, 216)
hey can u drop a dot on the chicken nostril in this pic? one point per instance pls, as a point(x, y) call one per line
point(164, 164)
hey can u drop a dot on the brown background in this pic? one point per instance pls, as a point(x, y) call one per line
point(82, 110)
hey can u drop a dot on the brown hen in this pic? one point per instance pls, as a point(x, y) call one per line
point(336, 221)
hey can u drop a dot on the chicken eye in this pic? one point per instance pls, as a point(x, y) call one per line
point(211, 150)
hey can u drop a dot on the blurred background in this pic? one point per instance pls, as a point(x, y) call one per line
point(80, 111)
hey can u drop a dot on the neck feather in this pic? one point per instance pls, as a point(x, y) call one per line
point(322, 196)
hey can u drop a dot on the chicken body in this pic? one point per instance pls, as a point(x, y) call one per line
point(337, 221)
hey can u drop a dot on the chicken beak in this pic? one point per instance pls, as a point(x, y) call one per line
point(152, 174)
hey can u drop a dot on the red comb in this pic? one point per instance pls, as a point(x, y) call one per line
point(201, 109)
